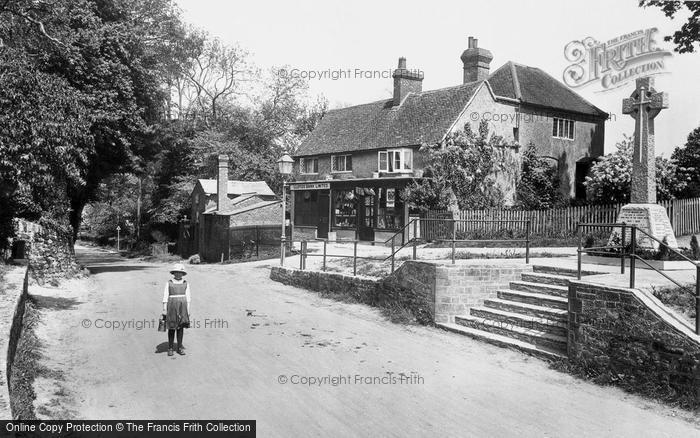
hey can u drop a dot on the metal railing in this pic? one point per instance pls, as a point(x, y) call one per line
point(413, 240)
point(634, 256)
point(454, 239)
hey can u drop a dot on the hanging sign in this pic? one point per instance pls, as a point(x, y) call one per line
point(390, 198)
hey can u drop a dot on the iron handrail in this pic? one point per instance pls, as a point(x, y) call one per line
point(633, 256)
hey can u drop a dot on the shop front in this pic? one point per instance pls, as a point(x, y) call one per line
point(362, 209)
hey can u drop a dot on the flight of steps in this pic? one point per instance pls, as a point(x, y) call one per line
point(530, 316)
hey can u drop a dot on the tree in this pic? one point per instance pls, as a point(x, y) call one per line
point(688, 161)
point(460, 172)
point(214, 76)
point(689, 33)
point(111, 59)
point(610, 178)
point(538, 186)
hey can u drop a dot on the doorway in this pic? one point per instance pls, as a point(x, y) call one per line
point(323, 213)
point(366, 224)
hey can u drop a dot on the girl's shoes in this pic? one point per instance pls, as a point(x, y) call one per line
point(180, 351)
point(170, 351)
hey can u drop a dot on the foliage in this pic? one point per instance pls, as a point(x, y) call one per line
point(460, 172)
point(610, 178)
point(689, 33)
point(694, 247)
point(688, 161)
point(539, 185)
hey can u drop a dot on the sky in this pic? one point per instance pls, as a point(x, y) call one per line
point(317, 36)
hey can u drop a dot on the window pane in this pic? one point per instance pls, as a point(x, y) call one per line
point(348, 162)
point(334, 163)
point(561, 128)
point(571, 129)
point(382, 161)
point(554, 127)
point(315, 165)
point(408, 159)
point(397, 160)
point(566, 129)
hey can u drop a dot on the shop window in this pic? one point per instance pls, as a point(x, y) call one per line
point(395, 160)
point(306, 207)
point(390, 210)
point(345, 208)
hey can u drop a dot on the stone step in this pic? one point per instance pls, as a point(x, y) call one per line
point(539, 277)
point(532, 336)
point(504, 341)
point(552, 326)
point(540, 288)
point(534, 298)
point(558, 270)
point(528, 309)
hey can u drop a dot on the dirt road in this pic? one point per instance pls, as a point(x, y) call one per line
point(258, 342)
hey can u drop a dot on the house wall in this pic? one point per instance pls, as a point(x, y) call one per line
point(364, 163)
point(534, 125)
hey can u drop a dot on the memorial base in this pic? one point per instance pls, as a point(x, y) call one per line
point(651, 218)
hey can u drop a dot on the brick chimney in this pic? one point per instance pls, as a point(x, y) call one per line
point(406, 81)
point(476, 62)
point(222, 183)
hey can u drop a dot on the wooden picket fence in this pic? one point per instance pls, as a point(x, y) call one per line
point(684, 215)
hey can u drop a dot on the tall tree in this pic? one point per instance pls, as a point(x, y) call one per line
point(688, 35)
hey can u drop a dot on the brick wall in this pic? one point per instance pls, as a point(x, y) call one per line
point(268, 215)
point(461, 287)
point(626, 337)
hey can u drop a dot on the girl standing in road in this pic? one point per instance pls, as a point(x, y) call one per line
point(176, 307)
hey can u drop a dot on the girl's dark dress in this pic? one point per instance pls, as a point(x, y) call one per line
point(177, 315)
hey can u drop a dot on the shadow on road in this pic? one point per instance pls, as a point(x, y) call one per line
point(116, 268)
point(55, 303)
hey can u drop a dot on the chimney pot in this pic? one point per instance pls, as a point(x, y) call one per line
point(402, 62)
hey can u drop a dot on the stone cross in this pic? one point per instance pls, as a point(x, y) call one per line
point(644, 104)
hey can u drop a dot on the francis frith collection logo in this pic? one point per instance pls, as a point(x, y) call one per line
point(615, 62)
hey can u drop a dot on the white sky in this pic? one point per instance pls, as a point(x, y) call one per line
point(371, 35)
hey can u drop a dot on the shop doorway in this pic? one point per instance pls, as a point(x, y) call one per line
point(323, 212)
point(366, 226)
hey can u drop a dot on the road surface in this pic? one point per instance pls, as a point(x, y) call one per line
point(264, 342)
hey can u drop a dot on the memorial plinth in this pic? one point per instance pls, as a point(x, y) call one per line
point(644, 105)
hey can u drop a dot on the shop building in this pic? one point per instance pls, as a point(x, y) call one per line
point(350, 171)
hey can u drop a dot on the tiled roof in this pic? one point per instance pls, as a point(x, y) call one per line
point(427, 116)
point(235, 211)
point(421, 118)
point(238, 187)
point(533, 86)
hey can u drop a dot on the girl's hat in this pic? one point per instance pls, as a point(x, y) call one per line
point(178, 268)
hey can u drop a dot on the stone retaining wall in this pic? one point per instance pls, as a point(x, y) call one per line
point(14, 286)
point(460, 287)
point(410, 288)
point(51, 253)
point(627, 337)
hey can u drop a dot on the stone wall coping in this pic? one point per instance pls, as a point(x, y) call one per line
point(652, 303)
point(330, 274)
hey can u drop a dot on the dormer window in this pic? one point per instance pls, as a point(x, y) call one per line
point(395, 160)
point(308, 165)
